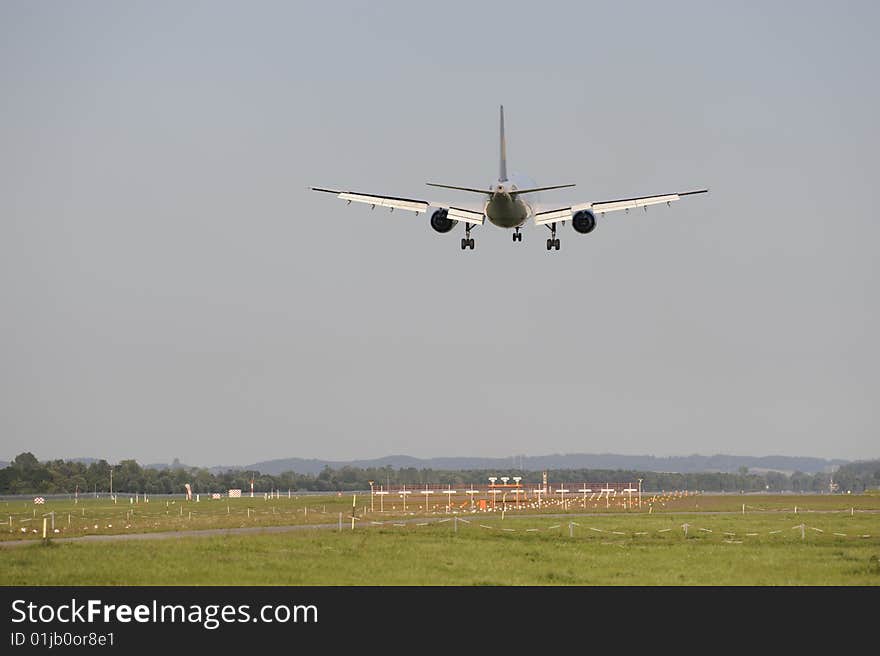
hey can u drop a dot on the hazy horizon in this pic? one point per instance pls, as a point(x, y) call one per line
point(170, 288)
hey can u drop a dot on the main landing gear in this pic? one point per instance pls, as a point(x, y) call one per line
point(467, 242)
point(553, 242)
point(517, 236)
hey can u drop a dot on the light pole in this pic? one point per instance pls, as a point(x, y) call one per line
point(640, 494)
point(111, 481)
point(371, 496)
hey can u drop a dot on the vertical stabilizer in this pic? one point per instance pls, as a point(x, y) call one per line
point(502, 164)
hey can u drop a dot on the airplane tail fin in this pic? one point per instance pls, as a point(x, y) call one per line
point(502, 162)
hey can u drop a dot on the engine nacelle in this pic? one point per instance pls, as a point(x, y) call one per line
point(441, 222)
point(583, 221)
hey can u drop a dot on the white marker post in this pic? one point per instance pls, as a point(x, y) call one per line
point(381, 494)
point(538, 492)
point(403, 493)
point(607, 491)
point(427, 494)
point(561, 491)
point(630, 491)
point(585, 489)
point(448, 494)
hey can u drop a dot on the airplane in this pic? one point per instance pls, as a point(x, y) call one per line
point(508, 203)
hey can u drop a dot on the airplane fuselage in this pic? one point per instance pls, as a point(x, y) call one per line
point(506, 211)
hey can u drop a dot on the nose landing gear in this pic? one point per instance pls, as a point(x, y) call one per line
point(517, 236)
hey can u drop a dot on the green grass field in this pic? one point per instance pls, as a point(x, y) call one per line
point(830, 541)
point(23, 520)
point(104, 517)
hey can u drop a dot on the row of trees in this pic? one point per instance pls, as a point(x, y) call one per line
point(26, 475)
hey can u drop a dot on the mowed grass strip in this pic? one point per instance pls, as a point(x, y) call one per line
point(608, 550)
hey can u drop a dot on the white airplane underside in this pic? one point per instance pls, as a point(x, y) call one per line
point(508, 203)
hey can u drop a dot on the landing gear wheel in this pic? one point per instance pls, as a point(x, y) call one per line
point(468, 241)
point(553, 242)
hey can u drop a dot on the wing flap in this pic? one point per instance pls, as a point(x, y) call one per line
point(409, 204)
point(384, 201)
point(632, 203)
point(468, 216)
point(543, 218)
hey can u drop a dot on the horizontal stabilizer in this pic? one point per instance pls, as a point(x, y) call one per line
point(470, 189)
point(517, 192)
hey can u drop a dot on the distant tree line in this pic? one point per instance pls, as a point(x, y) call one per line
point(26, 475)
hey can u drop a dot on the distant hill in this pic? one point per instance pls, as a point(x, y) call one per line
point(671, 464)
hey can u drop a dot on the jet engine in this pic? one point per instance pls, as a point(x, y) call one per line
point(583, 221)
point(441, 222)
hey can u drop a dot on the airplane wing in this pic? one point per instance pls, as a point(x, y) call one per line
point(565, 213)
point(392, 202)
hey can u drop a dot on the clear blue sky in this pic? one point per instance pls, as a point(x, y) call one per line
point(169, 287)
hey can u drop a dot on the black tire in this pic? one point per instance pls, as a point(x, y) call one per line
point(549, 244)
point(463, 244)
point(471, 243)
point(557, 244)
